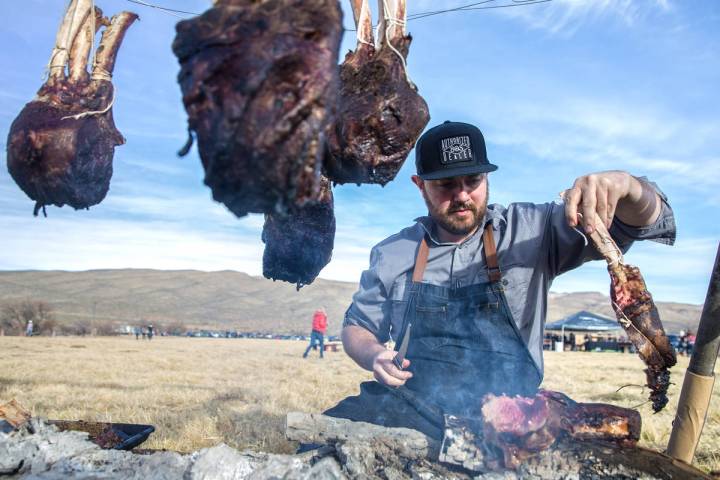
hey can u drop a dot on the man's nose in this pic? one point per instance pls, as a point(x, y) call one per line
point(462, 195)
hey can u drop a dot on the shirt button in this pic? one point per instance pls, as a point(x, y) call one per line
point(505, 282)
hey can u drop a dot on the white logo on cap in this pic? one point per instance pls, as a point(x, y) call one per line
point(456, 149)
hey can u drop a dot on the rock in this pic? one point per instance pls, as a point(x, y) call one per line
point(221, 462)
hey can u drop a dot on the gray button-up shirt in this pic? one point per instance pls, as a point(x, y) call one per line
point(534, 245)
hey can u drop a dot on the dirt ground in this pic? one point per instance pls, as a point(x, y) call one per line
point(200, 392)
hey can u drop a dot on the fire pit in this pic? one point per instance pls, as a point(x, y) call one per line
point(371, 451)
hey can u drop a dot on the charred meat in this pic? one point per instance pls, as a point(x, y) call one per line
point(61, 145)
point(380, 113)
point(259, 84)
point(299, 245)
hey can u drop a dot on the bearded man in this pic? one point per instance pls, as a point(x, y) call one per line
point(465, 288)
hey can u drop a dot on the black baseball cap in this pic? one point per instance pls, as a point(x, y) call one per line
point(451, 149)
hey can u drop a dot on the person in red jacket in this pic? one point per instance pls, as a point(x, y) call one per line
point(317, 336)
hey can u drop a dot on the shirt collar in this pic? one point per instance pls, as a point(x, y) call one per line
point(491, 216)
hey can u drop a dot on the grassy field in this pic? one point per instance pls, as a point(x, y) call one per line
point(199, 392)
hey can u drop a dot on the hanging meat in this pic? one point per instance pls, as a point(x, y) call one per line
point(516, 428)
point(259, 84)
point(299, 245)
point(380, 113)
point(61, 145)
point(638, 315)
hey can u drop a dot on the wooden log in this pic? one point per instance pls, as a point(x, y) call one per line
point(318, 428)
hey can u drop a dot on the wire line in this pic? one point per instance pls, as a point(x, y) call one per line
point(164, 9)
point(414, 16)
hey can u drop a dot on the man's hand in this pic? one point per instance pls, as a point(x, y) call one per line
point(385, 371)
point(603, 195)
point(364, 348)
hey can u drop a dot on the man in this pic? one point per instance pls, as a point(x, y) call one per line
point(317, 335)
point(469, 282)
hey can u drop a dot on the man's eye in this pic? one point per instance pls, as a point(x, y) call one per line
point(475, 181)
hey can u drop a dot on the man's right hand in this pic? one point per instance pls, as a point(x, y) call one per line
point(385, 371)
point(370, 354)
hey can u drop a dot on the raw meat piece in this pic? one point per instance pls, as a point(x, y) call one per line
point(516, 428)
point(638, 315)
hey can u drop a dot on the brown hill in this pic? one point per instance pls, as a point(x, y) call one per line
point(234, 300)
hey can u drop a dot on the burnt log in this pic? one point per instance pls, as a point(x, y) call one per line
point(298, 245)
point(259, 84)
point(60, 147)
point(380, 113)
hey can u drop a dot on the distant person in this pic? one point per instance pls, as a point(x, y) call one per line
point(317, 336)
point(150, 332)
point(682, 343)
point(137, 333)
point(29, 329)
point(690, 342)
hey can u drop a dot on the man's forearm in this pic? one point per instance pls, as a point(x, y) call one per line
point(641, 206)
point(361, 345)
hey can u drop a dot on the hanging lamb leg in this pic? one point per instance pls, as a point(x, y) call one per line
point(638, 315)
point(380, 112)
point(299, 245)
point(61, 145)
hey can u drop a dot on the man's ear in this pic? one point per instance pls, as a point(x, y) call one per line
point(418, 182)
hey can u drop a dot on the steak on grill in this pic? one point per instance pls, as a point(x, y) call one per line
point(380, 113)
point(300, 244)
point(638, 315)
point(259, 84)
point(515, 428)
point(60, 147)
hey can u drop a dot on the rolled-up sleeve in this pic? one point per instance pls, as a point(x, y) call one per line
point(369, 305)
point(661, 231)
point(568, 249)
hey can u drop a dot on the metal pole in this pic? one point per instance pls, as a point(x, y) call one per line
point(699, 378)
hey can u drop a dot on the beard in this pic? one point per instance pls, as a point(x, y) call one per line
point(454, 224)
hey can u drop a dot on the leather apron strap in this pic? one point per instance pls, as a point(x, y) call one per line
point(489, 249)
point(491, 260)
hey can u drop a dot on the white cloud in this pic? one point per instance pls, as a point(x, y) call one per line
point(599, 132)
point(567, 16)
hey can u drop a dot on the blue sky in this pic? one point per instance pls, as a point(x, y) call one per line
point(559, 89)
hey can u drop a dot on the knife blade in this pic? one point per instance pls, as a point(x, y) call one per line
point(402, 351)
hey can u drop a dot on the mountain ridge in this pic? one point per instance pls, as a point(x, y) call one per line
point(227, 299)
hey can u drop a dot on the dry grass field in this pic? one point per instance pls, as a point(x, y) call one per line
point(199, 392)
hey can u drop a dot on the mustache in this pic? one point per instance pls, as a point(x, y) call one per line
point(456, 207)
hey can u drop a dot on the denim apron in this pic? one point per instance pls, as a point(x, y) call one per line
point(463, 344)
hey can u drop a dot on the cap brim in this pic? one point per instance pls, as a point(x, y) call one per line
point(459, 171)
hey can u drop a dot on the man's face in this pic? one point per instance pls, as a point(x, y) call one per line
point(457, 204)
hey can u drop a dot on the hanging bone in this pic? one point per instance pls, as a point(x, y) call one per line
point(380, 114)
point(61, 145)
point(299, 245)
point(638, 315)
point(259, 84)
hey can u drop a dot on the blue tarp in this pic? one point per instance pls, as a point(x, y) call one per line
point(586, 322)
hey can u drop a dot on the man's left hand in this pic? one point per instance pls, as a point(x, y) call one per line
point(597, 195)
